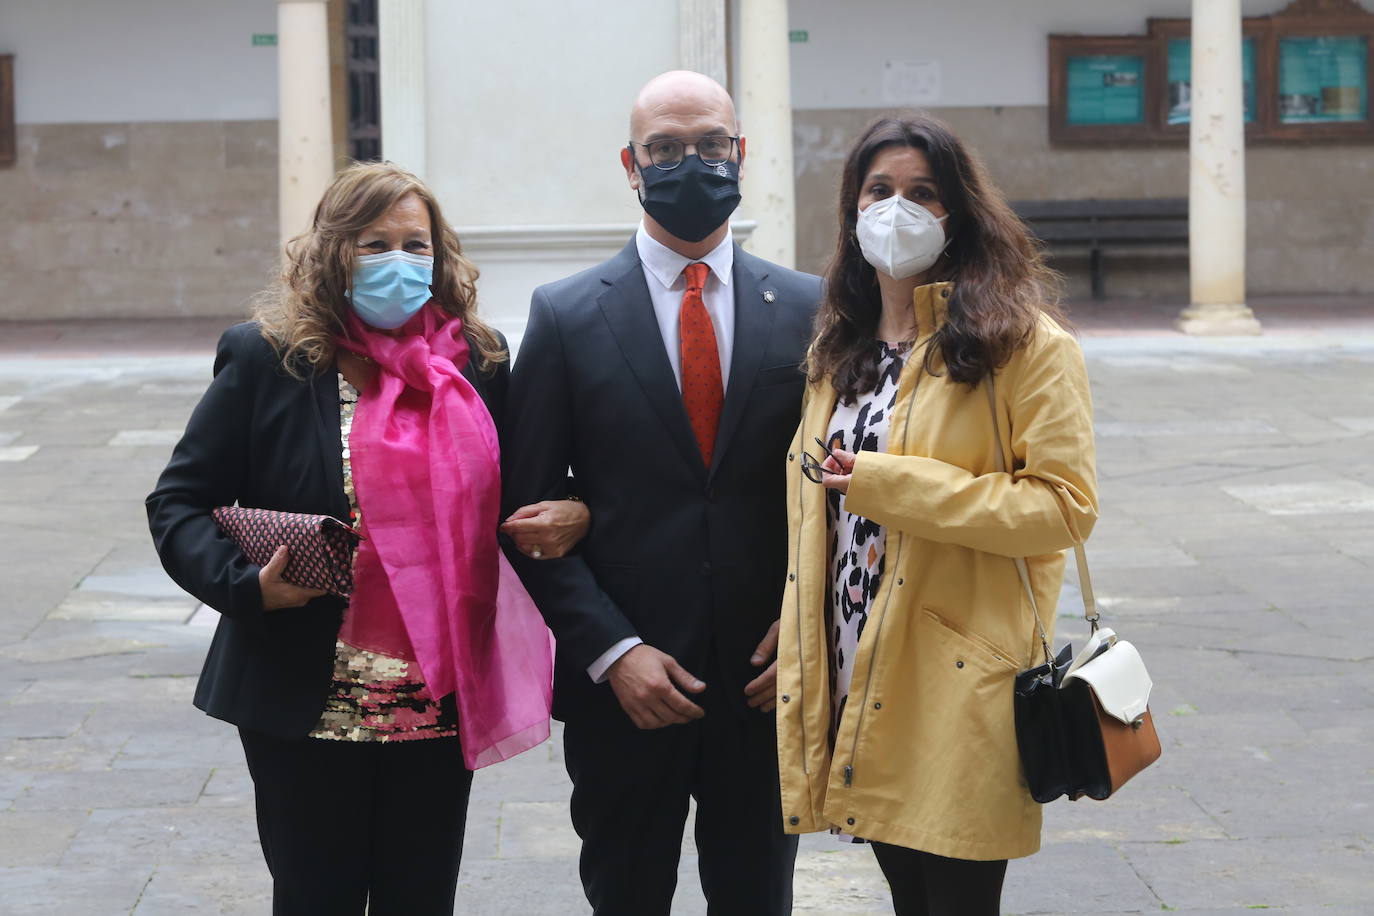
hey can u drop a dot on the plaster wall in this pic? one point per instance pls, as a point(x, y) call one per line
point(107, 62)
point(986, 52)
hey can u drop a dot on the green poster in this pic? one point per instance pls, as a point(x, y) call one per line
point(1107, 89)
point(1181, 79)
point(1323, 80)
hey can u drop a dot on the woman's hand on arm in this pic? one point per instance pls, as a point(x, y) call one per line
point(277, 593)
point(548, 529)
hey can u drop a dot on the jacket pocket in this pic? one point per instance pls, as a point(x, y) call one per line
point(981, 648)
point(777, 375)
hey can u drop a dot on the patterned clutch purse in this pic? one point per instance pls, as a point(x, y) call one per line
point(321, 547)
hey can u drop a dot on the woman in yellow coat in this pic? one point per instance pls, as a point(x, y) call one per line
point(904, 621)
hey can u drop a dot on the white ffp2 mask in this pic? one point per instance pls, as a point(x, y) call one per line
point(900, 237)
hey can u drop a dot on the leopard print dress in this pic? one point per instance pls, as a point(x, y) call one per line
point(857, 545)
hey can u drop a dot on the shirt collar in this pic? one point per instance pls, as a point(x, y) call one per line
point(666, 265)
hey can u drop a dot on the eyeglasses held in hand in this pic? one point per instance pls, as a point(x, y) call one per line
point(814, 470)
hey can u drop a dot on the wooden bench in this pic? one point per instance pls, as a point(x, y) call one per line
point(1098, 224)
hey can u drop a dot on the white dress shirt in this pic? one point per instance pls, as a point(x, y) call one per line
point(663, 269)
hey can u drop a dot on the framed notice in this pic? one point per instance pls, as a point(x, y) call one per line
point(6, 109)
point(1106, 89)
point(1323, 79)
point(1099, 89)
point(1178, 79)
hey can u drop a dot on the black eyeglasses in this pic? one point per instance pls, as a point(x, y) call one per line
point(813, 470)
point(666, 154)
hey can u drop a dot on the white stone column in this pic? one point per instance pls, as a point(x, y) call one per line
point(701, 38)
point(304, 127)
point(764, 96)
point(401, 24)
point(1216, 191)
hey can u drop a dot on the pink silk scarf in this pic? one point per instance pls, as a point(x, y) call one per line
point(430, 582)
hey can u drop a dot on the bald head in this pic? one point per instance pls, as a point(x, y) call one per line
point(682, 103)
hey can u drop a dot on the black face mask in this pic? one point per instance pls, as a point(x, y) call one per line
point(692, 200)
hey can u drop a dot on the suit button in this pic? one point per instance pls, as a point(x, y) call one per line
point(791, 577)
point(959, 664)
point(794, 820)
point(706, 569)
point(791, 456)
point(901, 581)
point(877, 705)
point(850, 822)
point(786, 698)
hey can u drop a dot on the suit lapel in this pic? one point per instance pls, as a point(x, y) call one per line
point(629, 311)
point(753, 327)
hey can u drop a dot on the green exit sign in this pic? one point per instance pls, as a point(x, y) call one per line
point(265, 40)
point(799, 36)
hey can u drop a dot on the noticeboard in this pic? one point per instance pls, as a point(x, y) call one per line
point(1305, 72)
point(1106, 89)
point(1323, 79)
point(1179, 79)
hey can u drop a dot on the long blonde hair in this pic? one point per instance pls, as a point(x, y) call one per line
point(304, 310)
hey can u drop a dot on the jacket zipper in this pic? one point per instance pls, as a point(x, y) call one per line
point(878, 635)
point(795, 562)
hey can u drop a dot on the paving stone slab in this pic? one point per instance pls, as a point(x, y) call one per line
point(93, 605)
point(79, 752)
point(187, 835)
point(224, 890)
point(58, 719)
point(1148, 808)
point(531, 830)
point(229, 785)
point(1276, 873)
point(93, 789)
point(37, 837)
point(1056, 880)
point(43, 890)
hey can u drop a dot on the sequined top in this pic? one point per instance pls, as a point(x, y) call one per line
point(376, 697)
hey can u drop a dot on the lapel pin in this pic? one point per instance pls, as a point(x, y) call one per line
point(769, 295)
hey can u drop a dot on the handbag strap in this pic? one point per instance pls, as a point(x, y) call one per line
point(1085, 584)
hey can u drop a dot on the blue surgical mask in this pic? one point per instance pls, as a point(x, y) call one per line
point(390, 287)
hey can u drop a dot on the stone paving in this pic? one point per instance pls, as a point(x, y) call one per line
point(1236, 549)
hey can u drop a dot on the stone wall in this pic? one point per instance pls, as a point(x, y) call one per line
point(138, 219)
point(1311, 229)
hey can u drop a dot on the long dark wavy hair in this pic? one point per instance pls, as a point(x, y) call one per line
point(1001, 282)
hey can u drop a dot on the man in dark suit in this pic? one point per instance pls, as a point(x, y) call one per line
point(667, 379)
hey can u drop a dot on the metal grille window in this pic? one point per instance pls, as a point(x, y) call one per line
point(364, 92)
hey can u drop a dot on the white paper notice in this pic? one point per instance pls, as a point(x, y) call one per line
point(911, 82)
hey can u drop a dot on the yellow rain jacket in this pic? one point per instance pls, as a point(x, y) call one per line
point(925, 756)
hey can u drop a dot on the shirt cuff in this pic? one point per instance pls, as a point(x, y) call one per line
point(597, 669)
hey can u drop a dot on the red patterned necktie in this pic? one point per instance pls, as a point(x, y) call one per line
point(702, 389)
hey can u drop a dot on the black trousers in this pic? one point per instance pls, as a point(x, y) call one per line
point(631, 790)
point(347, 826)
point(929, 885)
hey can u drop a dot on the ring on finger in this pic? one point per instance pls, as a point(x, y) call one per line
point(536, 551)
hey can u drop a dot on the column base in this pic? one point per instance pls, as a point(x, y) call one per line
point(1218, 321)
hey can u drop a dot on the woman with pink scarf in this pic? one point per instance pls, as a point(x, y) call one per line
point(369, 390)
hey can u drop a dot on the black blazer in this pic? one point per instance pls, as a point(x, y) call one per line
point(690, 559)
point(264, 439)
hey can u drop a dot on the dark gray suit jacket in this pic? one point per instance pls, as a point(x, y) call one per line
point(691, 559)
